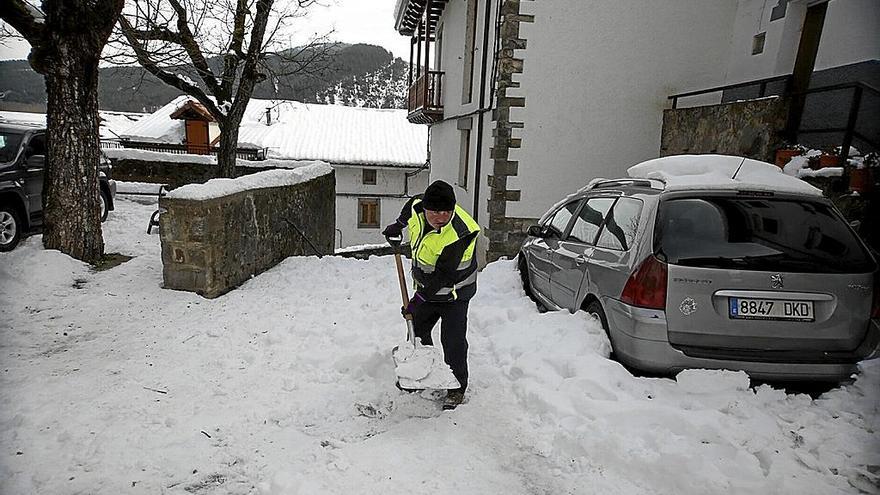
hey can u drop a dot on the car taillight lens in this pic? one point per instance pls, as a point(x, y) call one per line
point(646, 287)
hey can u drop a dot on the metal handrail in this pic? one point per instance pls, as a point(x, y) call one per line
point(762, 83)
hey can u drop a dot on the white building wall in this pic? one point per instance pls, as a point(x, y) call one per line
point(849, 35)
point(446, 136)
point(596, 81)
point(350, 186)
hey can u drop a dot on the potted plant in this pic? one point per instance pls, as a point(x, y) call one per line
point(786, 152)
point(861, 175)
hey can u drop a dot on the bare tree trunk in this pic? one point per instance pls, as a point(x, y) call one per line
point(70, 191)
point(228, 145)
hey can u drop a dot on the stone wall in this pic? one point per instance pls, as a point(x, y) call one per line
point(744, 128)
point(505, 233)
point(211, 246)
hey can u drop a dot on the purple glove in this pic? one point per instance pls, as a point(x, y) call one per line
point(414, 303)
point(393, 230)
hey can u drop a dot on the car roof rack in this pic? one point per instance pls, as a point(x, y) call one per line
point(652, 183)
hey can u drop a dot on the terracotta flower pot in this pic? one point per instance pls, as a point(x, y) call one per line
point(829, 161)
point(861, 180)
point(783, 156)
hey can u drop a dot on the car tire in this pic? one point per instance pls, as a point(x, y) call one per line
point(524, 276)
point(10, 228)
point(594, 308)
point(105, 205)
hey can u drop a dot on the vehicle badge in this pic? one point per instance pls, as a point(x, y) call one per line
point(776, 281)
point(688, 306)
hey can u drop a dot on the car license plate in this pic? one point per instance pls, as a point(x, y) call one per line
point(771, 309)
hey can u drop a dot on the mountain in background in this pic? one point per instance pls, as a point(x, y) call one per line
point(359, 75)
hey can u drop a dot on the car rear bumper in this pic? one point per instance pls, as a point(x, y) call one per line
point(640, 341)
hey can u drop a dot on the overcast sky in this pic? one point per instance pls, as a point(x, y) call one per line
point(355, 21)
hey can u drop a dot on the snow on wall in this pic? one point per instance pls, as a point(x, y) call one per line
point(216, 188)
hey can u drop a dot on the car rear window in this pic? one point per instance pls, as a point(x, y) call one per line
point(764, 234)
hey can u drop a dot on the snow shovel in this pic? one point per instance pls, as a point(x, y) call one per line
point(417, 366)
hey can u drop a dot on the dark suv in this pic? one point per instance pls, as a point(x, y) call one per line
point(22, 157)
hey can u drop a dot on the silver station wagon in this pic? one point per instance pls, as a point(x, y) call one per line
point(740, 274)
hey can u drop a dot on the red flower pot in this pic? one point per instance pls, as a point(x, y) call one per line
point(860, 180)
point(783, 156)
point(829, 161)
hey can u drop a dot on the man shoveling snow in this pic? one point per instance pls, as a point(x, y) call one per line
point(443, 242)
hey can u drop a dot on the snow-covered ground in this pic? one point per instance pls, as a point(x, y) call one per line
point(111, 384)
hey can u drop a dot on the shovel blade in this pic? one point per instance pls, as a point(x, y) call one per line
point(422, 367)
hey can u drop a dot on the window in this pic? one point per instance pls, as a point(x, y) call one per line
point(464, 153)
point(778, 11)
point(37, 145)
point(369, 176)
point(758, 43)
point(368, 213)
point(560, 219)
point(621, 225)
point(588, 221)
point(792, 235)
point(470, 44)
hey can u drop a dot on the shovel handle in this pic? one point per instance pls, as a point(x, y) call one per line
point(395, 243)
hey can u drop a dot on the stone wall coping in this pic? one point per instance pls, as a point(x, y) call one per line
point(216, 188)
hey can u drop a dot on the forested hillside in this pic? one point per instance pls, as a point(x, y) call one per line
point(358, 75)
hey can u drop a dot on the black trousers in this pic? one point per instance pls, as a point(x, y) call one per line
point(453, 333)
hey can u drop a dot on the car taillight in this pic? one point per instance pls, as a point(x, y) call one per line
point(646, 287)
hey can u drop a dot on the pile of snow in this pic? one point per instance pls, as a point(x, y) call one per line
point(799, 166)
point(285, 386)
point(690, 172)
point(216, 188)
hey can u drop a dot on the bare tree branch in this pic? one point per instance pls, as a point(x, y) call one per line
point(24, 18)
point(169, 78)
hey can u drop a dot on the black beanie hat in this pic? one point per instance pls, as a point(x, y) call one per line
point(439, 196)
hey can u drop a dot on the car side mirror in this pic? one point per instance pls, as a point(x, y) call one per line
point(537, 231)
point(35, 161)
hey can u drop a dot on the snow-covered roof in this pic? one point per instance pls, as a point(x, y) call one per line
point(302, 131)
point(690, 172)
point(112, 123)
point(216, 188)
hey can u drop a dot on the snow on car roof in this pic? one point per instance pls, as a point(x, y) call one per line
point(720, 172)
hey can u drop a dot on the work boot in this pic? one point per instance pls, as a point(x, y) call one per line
point(453, 399)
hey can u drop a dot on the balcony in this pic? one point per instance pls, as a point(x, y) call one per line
point(424, 103)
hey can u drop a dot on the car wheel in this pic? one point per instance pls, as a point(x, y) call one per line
point(594, 309)
point(523, 268)
point(105, 205)
point(10, 228)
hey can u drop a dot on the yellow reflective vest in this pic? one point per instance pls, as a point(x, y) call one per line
point(444, 261)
